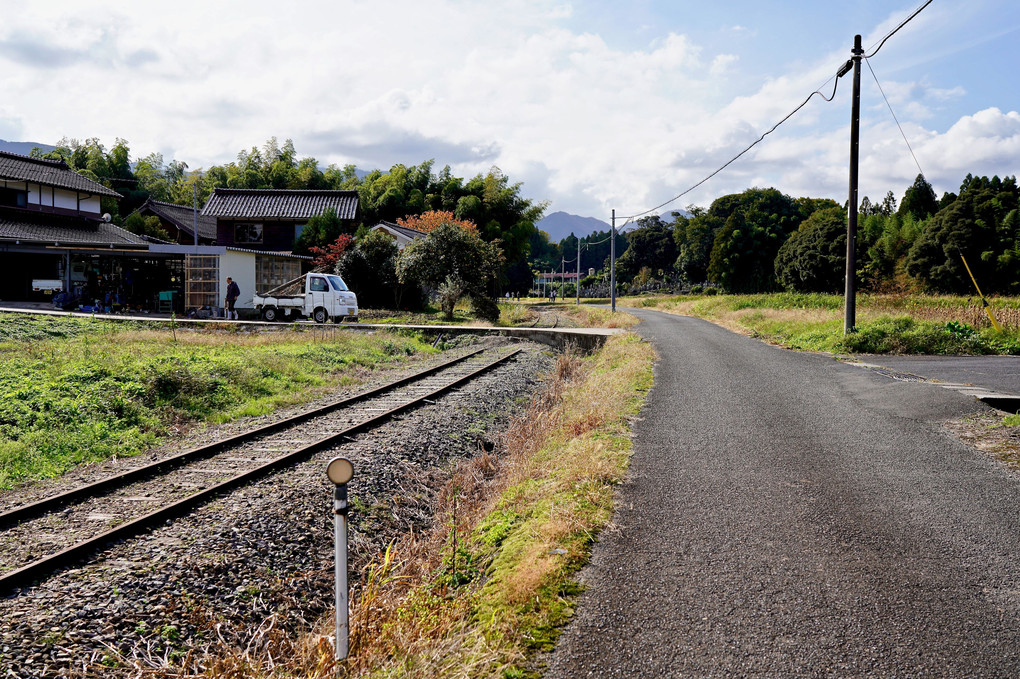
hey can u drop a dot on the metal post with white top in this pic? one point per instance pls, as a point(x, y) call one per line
point(340, 471)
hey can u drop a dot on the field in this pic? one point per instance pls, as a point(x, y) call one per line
point(74, 390)
point(900, 324)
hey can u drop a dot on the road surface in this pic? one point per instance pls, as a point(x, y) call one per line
point(789, 516)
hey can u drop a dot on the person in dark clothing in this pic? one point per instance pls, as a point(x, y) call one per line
point(233, 292)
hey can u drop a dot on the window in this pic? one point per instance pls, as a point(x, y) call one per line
point(337, 283)
point(318, 285)
point(245, 232)
point(202, 281)
point(272, 272)
point(13, 197)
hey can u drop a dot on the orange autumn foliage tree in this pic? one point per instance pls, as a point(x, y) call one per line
point(428, 221)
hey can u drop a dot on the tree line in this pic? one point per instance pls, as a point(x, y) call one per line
point(762, 240)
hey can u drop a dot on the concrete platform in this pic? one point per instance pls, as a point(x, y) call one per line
point(583, 339)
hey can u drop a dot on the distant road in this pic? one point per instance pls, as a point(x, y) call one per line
point(787, 515)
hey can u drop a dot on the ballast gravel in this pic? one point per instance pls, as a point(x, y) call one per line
point(256, 559)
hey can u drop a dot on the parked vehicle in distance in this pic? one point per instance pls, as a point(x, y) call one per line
point(318, 296)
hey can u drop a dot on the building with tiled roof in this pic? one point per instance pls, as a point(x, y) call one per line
point(57, 245)
point(404, 235)
point(18, 172)
point(179, 221)
point(272, 219)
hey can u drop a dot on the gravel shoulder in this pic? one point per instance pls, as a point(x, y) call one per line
point(789, 516)
point(256, 562)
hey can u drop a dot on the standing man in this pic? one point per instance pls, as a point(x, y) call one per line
point(233, 292)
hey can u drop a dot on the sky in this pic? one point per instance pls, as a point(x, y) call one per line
point(592, 106)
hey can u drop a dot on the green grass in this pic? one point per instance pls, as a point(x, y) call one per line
point(905, 324)
point(79, 390)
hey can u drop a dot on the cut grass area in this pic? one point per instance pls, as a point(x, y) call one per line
point(904, 324)
point(81, 390)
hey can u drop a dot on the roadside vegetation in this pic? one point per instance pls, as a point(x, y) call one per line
point(899, 324)
point(81, 390)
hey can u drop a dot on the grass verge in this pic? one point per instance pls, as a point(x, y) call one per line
point(82, 390)
point(490, 586)
point(887, 324)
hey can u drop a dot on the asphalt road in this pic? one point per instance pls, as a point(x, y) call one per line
point(997, 373)
point(789, 516)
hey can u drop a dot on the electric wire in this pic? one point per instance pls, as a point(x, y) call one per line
point(893, 31)
point(734, 158)
point(902, 133)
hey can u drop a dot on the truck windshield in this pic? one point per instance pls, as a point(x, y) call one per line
point(337, 283)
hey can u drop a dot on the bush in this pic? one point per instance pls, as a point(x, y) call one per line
point(485, 308)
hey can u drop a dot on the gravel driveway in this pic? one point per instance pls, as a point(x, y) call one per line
point(789, 516)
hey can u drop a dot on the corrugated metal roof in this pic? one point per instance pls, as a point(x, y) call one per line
point(41, 228)
point(181, 216)
point(273, 253)
point(16, 167)
point(279, 203)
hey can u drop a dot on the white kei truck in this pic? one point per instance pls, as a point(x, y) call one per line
point(319, 296)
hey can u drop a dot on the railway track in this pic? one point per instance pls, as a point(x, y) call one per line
point(44, 536)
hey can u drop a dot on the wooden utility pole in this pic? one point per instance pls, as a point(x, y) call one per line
point(577, 283)
point(850, 301)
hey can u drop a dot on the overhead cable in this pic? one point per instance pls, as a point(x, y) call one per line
point(893, 31)
point(753, 144)
point(902, 133)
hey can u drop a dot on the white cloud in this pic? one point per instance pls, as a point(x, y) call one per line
point(583, 121)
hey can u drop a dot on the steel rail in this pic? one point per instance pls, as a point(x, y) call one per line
point(40, 507)
point(37, 569)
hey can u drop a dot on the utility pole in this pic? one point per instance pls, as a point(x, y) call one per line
point(563, 271)
point(577, 283)
point(612, 262)
point(850, 301)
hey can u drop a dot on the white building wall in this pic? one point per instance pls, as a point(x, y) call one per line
point(92, 205)
point(241, 267)
point(65, 199)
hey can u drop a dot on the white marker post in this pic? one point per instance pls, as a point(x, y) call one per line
point(340, 471)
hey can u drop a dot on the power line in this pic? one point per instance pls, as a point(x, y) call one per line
point(902, 133)
point(755, 143)
point(893, 31)
point(839, 74)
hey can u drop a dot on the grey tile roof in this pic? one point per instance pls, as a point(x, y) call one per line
point(405, 231)
point(279, 203)
point(181, 216)
point(44, 228)
point(16, 167)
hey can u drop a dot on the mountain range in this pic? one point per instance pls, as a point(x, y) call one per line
point(24, 147)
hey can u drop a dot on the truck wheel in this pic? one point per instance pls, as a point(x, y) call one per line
point(270, 314)
point(320, 315)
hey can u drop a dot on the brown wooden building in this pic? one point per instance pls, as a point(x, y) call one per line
point(272, 219)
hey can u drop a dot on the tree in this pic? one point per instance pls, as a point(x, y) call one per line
point(146, 226)
point(757, 223)
point(369, 268)
point(322, 230)
point(813, 259)
point(453, 263)
point(919, 200)
point(433, 219)
point(326, 257)
point(650, 246)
